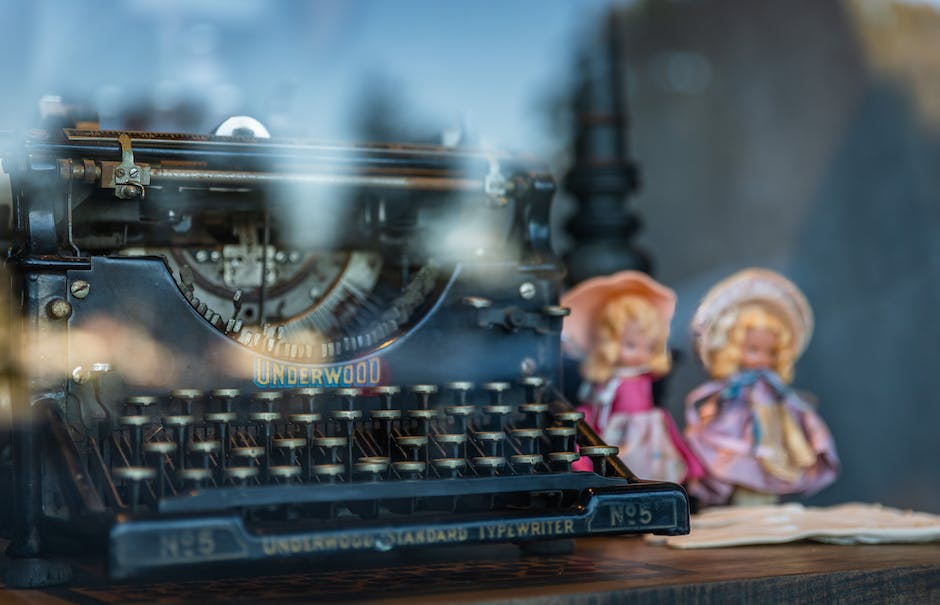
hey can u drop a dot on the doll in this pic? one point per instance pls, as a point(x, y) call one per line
point(757, 438)
point(620, 324)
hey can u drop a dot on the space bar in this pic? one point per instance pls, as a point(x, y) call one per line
point(220, 498)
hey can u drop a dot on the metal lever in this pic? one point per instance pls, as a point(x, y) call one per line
point(129, 178)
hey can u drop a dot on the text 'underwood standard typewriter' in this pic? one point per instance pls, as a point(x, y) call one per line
point(240, 349)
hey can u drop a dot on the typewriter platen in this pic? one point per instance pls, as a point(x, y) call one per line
point(240, 349)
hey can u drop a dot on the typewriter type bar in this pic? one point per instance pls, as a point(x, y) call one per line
point(369, 393)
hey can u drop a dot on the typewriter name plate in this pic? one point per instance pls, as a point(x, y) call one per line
point(141, 545)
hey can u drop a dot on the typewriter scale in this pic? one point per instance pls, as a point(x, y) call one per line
point(254, 349)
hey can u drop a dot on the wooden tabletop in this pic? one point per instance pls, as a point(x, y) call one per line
point(601, 570)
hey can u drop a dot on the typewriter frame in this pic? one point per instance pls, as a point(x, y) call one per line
point(61, 503)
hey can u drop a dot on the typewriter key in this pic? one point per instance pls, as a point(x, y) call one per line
point(186, 398)
point(409, 469)
point(534, 413)
point(426, 415)
point(490, 442)
point(239, 475)
point(498, 415)
point(460, 415)
point(267, 398)
point(158, 451)
point(331, 446)
point(527, 439)
point(327, 473)
point(195, 477)
point(385, 419)
point(496, 390)
point(386, 395)
point(221, 417)
point(134, 475)
point(224, 394)
point(488, 465)
point(525, 463)
point(412, 445)
point(571, 418)
point(448, 468)
point(181, 428)
point(349, 395)
point(423, 389)
point(289, 446)
point(308, 397)
point(204, 451)
point(304, 419)
point(562, 461)
point(250, 455)
point(266, 419)
point(533, 388)
point(385, 415)
point(344, 416)
point(451, 444)
point(140, 402)
point(221, 422)
point(285, 473)
point(135, 425)
point(306, 422)
point(598, 455)
point(562, 438)
point(371, 466)
point(460, 390)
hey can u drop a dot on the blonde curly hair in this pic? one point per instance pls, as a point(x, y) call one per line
point(611, 322)
point(726, 360)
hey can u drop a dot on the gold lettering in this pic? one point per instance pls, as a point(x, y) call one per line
point(206, 542)
point(187, 541)
point(292, 376)
point(375, 369)
point(616, 516)
point(316, 377)
point(269, 547)
point(304, 377)
point(332, 376)
point(258, 379)
point(169, 546)
point(347, 375)
point(362, 373)
point(646, 515)
point(278, 374)
point(569, 526)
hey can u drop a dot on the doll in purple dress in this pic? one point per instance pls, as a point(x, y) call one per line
point(620, 324)
point(757, 438)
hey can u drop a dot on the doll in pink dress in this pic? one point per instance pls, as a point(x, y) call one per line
point(757, 438)
point(620, 324)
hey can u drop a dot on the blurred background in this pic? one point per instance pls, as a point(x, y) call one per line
point(801, 135)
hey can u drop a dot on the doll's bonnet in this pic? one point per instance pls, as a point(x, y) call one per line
point(587, 298)
point(718, 311)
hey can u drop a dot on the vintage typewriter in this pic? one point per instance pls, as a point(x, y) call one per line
point(236, 348)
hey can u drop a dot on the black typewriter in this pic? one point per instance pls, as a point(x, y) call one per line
point(240, 349)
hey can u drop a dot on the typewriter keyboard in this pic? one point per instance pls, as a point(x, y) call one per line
point(191, 440)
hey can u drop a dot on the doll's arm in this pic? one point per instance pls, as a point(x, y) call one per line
point(707, 409)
